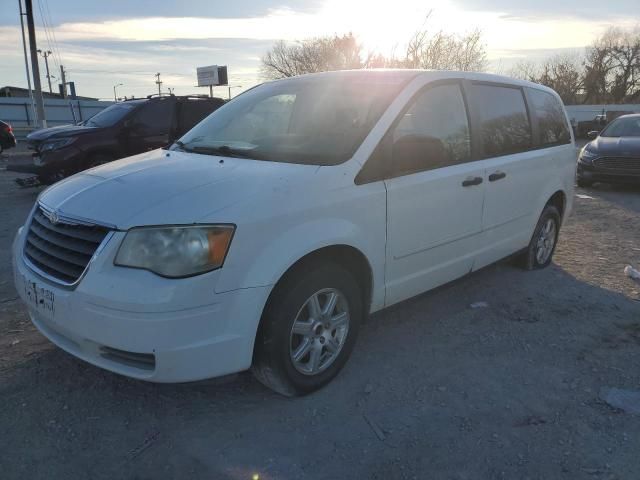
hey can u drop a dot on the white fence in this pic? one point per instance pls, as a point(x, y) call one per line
point(583, 113)
point(17, 111)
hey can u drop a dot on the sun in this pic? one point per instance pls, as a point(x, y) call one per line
point(385, 27)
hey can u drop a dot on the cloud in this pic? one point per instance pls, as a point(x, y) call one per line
point(99, 52)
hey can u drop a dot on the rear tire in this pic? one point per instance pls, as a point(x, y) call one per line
point(543, 242)
point(303, 343)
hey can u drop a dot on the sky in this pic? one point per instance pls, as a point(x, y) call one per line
point(102, 44)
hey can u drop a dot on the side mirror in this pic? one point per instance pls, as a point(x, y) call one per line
point(413, 153)
point(592, 134)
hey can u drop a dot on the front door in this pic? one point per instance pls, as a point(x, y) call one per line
point(435, 196)
point(150, 126)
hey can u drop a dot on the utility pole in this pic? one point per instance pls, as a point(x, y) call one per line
point(26, 66)
point(63, 77)
point(34, 63)
point(157, 75)
point(46, 63)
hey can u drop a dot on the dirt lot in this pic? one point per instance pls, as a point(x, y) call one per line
point(435, 389)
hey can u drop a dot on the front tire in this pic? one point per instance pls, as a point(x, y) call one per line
point(308, 329)
point(543, 242)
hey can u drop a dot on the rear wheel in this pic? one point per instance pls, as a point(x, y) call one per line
point(308, 330)
point(540, 251)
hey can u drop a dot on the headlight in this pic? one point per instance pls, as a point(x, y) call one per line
point(587, 156)
point(56, 144)
point(175, 251)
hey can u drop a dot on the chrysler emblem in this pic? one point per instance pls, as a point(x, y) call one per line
point(51, 215)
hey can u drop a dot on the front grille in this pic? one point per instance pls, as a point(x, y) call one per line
point(620, 164)
point(61, 250)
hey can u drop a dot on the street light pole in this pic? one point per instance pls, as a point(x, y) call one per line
point(115, 97)
point(233, 86)
point(46, 63)
point(159, 82)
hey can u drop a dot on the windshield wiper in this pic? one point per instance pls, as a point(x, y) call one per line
point(224, 150)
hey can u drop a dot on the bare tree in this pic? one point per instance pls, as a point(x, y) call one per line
point(438, 51)
point(525, 70)
point(312, 55)
point(612, 67)
point(444, 51)
point(564, 74)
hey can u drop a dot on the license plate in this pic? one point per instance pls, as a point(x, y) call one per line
point(39, 297)
point(37, 161)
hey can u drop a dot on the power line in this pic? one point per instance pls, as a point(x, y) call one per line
point(53, 31)
point(48, 34)
point(43, 21)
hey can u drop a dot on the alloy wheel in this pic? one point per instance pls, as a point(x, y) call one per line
point(546, 241)
point(319, 331)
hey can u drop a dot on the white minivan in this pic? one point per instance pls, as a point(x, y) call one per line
point(265, 236)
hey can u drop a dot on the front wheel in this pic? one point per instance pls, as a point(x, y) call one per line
point(543, 242)
point(308, 329)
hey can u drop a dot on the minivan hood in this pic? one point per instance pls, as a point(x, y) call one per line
point(619, 146)
point(168, 187)
point(61, 131)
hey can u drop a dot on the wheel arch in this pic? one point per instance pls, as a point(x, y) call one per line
point(558, 200)
point(344, 255)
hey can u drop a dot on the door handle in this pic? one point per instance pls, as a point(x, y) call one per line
point(470, 181)
point(497, 176)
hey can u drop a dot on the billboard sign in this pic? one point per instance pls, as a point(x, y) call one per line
point(213, 75)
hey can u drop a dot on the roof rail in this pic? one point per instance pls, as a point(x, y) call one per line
point(160, 95)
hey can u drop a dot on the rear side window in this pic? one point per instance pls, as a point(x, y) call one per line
point(192, 111)
point(154, 117)
point(552, 122)
point(504, 123)
point(432, 133)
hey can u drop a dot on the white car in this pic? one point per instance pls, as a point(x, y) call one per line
point(265, 236)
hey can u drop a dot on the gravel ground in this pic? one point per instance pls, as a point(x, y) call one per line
point(435, 389)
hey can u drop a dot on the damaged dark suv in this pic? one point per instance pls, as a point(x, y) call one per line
point(120, 130)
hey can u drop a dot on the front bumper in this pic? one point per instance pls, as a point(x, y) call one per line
point(137, 324)
point(591, 173)
point(45, 164)
point(8, 141)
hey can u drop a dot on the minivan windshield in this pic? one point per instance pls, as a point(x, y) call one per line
point(110, 115)
point(311, 120)
point(623, 127)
